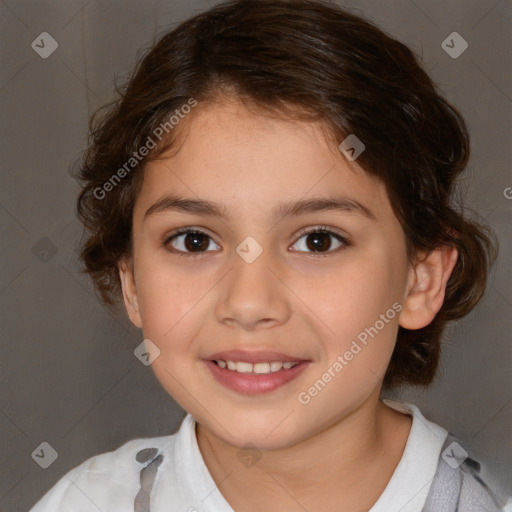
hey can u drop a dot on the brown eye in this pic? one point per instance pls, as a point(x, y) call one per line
point(190, 241)
point(319, 240)
point(196, 242)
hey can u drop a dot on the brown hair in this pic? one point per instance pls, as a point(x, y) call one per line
point(309, 59)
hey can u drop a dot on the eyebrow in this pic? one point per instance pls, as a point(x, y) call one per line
point(300, 207)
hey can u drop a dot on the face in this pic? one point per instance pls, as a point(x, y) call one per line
point(253, 282)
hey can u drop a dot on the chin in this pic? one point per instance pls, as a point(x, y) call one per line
point(266, 432)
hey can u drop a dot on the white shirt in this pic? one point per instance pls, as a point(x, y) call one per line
point(111, 481)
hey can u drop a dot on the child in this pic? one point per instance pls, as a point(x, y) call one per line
point(316, 163)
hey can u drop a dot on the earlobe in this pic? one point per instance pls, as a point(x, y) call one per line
point(129, 290)
point(427, 286)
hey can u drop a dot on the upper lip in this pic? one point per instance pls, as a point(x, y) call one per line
point(255, 356)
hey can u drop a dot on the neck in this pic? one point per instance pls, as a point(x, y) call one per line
point(336, 463)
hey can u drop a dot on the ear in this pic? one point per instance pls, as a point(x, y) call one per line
point(129, 291)
point(427, 286)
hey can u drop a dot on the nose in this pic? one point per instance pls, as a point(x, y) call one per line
point(253, 295)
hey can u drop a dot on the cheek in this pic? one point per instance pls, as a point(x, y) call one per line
point(357, 306)
point(352, 299)
point(173, 304)
point(170, 301)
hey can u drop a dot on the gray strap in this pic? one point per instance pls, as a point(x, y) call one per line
point(458, 488)
point(445, 488)
point(147, 477)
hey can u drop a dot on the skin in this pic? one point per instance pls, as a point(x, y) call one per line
point(339, 450)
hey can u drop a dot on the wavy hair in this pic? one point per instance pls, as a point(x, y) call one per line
point(307, 59)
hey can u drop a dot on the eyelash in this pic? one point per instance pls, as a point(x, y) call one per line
point(307, 231)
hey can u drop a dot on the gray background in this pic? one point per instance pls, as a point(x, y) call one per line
point(67, 371)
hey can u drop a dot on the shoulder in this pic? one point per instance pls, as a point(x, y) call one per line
point(436, 473)
point(108, 481)
point(458, 485)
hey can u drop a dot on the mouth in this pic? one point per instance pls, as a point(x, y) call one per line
point(262, 368)
point(252, 373)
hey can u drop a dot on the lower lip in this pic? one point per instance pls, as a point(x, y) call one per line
point(254, 384)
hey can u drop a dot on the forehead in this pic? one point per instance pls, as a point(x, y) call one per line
point(230, 154)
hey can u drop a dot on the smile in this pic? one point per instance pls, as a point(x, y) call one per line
point(256, 368)
point(255, 378)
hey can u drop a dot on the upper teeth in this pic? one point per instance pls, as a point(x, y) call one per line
point(243, 367)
